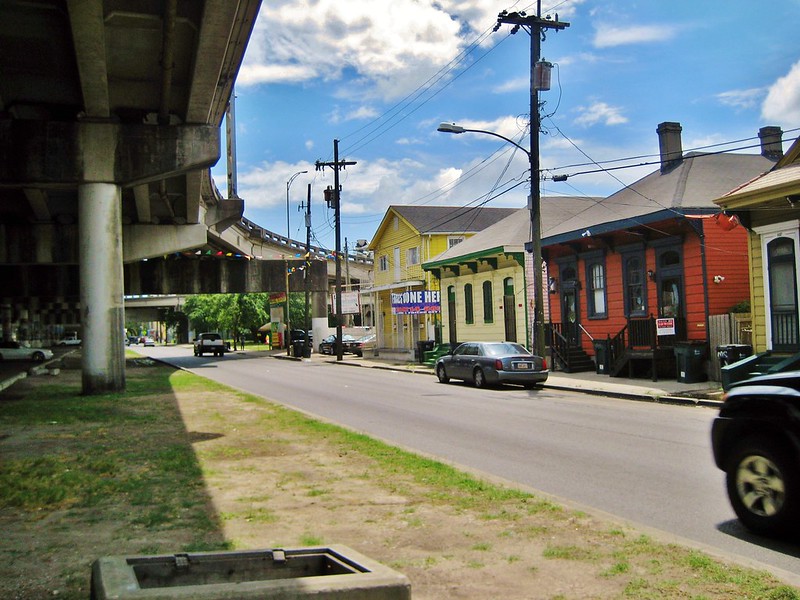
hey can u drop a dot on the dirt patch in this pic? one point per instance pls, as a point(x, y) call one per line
point(264, 484)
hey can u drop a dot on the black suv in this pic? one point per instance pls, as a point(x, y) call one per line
point(756, 441)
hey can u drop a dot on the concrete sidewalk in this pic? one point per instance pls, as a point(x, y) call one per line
point(708, 393)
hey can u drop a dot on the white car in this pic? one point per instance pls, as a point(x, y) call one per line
point(69, 341)
point(16, 351)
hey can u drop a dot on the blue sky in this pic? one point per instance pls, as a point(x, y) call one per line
point(380, 76)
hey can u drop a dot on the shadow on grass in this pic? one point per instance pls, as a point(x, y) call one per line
point(88, 476)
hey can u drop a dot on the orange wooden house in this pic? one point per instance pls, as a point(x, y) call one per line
point(633, 278)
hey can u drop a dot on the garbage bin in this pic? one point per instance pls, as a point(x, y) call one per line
point(690, 358)
point(424, 346)
point(601, 357)
point(298, 349)
point(731, 353)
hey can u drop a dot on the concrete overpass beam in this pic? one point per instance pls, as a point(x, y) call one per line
point(149, 241)
point(101, 277)
point(132, 154)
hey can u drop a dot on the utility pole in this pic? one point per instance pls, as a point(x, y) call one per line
point(347, 277)
point(535, 26)
point(336, 165)
point(306, 275)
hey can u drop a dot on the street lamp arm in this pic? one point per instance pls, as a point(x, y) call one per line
point(288, 185)
point(453, 128)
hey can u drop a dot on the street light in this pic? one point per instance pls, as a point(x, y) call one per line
point(288, 185)
point(535, 245)
point(453, 128)
point(289, 237)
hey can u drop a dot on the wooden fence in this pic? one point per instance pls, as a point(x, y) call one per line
point(731, 328)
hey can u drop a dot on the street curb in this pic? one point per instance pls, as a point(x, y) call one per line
point(679, 400)
point(7, 383)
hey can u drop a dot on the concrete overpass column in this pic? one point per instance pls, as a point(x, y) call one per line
point(101, 285)
point(319, 317)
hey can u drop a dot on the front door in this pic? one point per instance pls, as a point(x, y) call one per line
point(569, 315)
point(451, 315)
point(783, 295)
point(669, 282)
point(509, 310)
point(570, 306)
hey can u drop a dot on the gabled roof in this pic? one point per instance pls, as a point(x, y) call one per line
point(451, 219)
point(443, 219)
point(688, 188)
point(510, 234)
point(781, 181)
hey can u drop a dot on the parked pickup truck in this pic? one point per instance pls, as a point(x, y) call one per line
point(209, 343)
point(71, 339)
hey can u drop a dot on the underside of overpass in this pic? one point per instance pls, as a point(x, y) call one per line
point(110, 114)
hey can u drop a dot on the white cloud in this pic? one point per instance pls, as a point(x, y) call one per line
point(607, 36)
point(741, 99)
point(392, 45)
point(600, 112)
point(782, 104)
point(253, 73)
point(513, 85)
point(363, 112)
point(514, 128)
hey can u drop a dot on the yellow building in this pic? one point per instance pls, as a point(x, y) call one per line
point(769, 207)
point(406, 298)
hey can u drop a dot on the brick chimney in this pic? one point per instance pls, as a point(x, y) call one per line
point(771, 142)
point(669, 145)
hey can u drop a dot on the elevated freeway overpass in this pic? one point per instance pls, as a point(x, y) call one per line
point(110, 115)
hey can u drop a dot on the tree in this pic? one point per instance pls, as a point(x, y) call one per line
point(234, 313)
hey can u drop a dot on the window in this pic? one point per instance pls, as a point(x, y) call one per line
point(633, 273)
point(488, 308)
point(412, 256)
point(383, 263)
point(453, 240)
point(469, 317)
point(782, 279)
point(596, 278)
point(396, 223)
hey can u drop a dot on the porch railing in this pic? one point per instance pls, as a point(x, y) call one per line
point(559, 346)
point(640, 335)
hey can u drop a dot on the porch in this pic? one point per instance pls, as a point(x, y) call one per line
point(636, 351)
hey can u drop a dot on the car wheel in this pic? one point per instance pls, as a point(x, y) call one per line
point(479, 378)
point(764, 487)
point(38, 356)
point(441, 374)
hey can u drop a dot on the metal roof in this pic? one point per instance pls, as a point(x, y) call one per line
point(451, 219)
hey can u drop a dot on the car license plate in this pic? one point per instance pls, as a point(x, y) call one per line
point(523, 365)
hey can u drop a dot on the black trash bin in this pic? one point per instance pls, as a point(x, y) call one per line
point(731, 353)
point(601, 357)
point(299, 349)
point(690, 358)
point(424, 346)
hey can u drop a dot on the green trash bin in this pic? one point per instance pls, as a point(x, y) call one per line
point(690, 358)
point(601, 357)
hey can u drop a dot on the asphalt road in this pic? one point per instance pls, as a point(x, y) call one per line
point(649, 464)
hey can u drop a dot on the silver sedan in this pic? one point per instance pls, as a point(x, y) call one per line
point(492, 363)
point(15, 351)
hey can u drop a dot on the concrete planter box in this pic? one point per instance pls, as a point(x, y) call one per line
point(334, 572)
